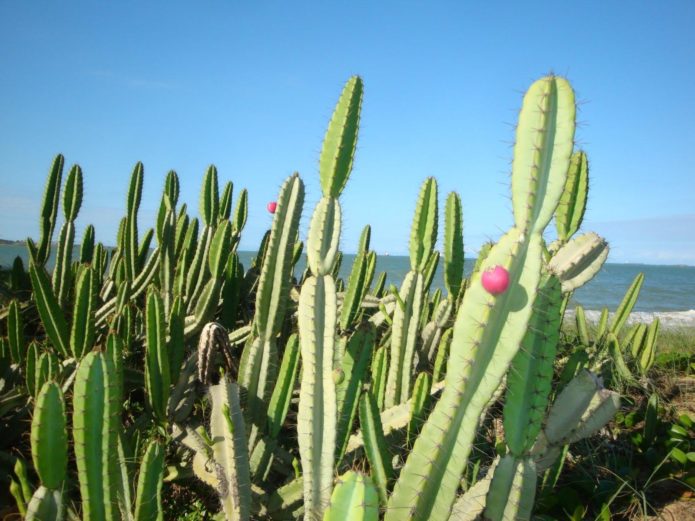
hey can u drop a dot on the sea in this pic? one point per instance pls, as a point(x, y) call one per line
point(668, 291)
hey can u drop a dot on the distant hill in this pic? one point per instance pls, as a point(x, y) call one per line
point(5, 241)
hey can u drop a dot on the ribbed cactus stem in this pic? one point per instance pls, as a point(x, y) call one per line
point(95, 430)
point(488, 328)
point(317, 312)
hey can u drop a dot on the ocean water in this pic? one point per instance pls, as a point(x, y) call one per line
point(668, 292)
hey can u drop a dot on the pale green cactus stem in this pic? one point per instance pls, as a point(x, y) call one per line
point(72, 200)
point(95, 430)
point(49, 310)
point(49, 211)
point(259, 361)
point(83, 328)
point(626, 305)
point(130, 233)
point(230, 450)
point(453, 246)
point(582, 408)
point(354, 499)
point(226, 201)
point(157, 372)
point(87, 245)
point(579, 260)
point(375, 445)
point(198, 275)
point(148, 500)
point(512, 490)
point(354, 367)
point(406, 317)
point(49, 450)
point(15, 333)
point(489, 329)
point(317, 311)
point(530, 376)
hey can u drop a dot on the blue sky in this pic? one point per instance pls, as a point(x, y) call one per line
point(250, 86)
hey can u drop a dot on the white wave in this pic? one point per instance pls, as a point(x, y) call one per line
point(670, 319)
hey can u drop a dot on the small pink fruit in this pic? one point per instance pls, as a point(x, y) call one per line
point(272, 206)
point(496, 280)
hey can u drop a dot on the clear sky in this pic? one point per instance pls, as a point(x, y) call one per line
point(250, 86)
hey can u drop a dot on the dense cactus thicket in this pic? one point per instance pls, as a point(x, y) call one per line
point(294, 395)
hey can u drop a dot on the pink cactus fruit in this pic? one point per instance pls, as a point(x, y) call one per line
point(272, 206)
point(496, 280)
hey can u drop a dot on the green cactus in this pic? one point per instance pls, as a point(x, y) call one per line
point(259, 361)
point(49, 211)
point(72, 200)
point(488, 329)
point(95, 432)
point(49, 449)
point(230, 450)
point(453, 245)
point(354, 499)
point(570, 211)
point(406, 316)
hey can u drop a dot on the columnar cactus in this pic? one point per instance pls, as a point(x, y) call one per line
point(317, 314)
point(407, 314)
point(489, 328)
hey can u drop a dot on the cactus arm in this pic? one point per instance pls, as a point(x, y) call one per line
point(209, 197)
point(230, 450)
point(354, 499)
point(405, 326)
point(340, 141)
point(418, 404)
point(157, 372)
point(453, 245)
point(530, 375)
point(15, 334)
point(241, 211)
point(282, 393)
point(259, 360)
point(226, 201)
point(375, 445)
point(423, 233)
point(148, 500)
point(626, 305)
point(355, 364)
point(49, 310)
point(83, 328)
point(443, 347)
point(512, 490)
point(131, 224)
point(87, 245)
point(570, 211)
point(355, 291)
point(379, 375)
point(578, 261)
point(647, 351)
point(582, 329)
point(316, 419)
point(544, 142)
point(49, 443)
point(46, 505)
point(95, 431)
point(49, 210)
